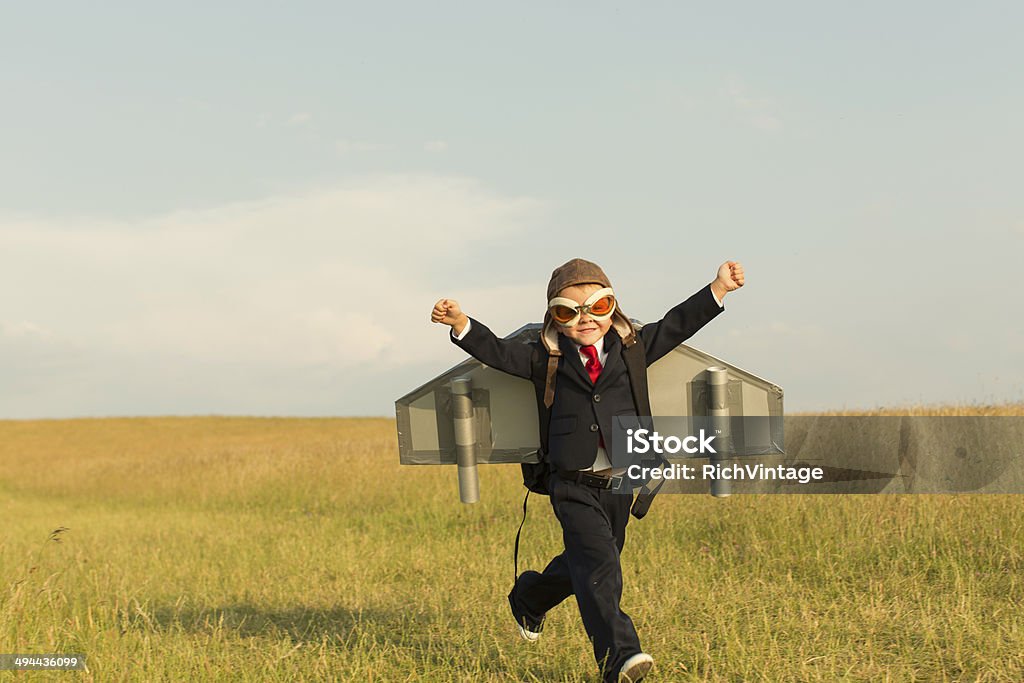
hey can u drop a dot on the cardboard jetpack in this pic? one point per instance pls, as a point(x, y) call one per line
point(473, 414)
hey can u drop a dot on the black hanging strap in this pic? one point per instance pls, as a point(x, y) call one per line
point(515, 553)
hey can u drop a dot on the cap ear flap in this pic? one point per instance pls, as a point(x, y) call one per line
point(624, 326)
point(549, 335)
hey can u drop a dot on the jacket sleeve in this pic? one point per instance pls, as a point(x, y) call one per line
point(679, 324)
point(512, 357)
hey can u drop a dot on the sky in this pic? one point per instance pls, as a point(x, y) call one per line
point(250, 208)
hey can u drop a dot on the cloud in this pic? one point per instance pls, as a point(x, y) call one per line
point(758, 112)
point(435, 146)
point(333, 279)
point(299, 119)
point(24, 330)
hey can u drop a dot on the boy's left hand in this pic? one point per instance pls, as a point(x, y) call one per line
point(730, 278)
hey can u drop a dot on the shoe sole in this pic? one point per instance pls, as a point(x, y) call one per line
point(636, 672)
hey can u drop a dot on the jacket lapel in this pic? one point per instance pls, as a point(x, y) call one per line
point(613, 365)
point(571, 357)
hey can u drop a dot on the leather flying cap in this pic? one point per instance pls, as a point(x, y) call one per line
point(576, 272)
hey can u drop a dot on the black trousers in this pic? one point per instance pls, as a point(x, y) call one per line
point(594, 531)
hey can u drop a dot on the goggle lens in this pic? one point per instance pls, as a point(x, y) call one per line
point(603, 306)
point(562, 314)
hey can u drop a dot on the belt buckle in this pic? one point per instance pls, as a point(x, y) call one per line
point(598, 481)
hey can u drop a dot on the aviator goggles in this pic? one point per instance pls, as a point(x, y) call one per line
point(600, 305)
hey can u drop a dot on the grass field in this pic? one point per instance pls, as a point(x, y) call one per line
point(210, 549)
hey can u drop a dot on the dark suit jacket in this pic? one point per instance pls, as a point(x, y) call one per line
point(582, 410)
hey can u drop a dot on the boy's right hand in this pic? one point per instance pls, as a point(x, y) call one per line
point(447, 311)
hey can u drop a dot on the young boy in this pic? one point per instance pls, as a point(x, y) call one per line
point(585, 384)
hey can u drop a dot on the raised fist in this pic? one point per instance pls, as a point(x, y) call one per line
point(447, 311)
point(730, 275)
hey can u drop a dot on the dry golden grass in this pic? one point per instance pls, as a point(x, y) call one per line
point(974, 410)
point(291, 549)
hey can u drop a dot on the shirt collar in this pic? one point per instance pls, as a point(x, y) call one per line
point(598, 345)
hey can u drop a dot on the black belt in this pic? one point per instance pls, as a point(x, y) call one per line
point(597, 481)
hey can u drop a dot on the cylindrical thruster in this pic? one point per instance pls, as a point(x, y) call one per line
point(465, 439)
point(718, 409)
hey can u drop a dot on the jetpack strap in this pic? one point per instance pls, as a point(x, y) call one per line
point(636, 365)
point(515, 553)
point(644, 499)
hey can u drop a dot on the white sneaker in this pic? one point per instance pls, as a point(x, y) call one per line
point(527, 631)
point(527, 635)
point(636, 667)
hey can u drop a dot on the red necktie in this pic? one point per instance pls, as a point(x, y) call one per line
point(593, 365)
point(594, 368)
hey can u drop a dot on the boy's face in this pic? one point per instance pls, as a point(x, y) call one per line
point(587, 330)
